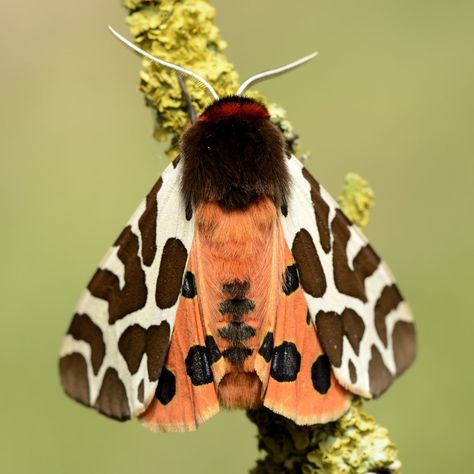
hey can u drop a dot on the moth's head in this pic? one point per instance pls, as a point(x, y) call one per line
point(234, 155)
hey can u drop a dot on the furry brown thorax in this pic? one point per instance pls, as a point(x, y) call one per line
point(234, 155)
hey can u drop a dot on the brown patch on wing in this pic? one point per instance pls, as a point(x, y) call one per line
point(331, 327)
point(141, 392)
point(379, 376)
point(105, 284)
point(404, 344)
point(112, 400)
point(73, 373)
point(136, 340)
point(170, 276)
point(132, 345)
point(354, 327)
point(157, 338)
point(321, 211)
point(147, 225)
point(352, 372)
point(351, 282)
point(329, 330)
point(82, 328)
point(309, 266)
point(388, 301)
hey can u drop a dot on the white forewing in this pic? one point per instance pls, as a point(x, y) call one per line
point(361, 319)
point(117, 341)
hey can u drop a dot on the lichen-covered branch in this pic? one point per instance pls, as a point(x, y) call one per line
point(354, 444)
point(183, 32)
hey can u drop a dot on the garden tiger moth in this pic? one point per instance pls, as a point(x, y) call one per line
point(237, 283)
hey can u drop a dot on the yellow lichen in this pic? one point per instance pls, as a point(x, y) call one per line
point(356, 199)
point(354, 444)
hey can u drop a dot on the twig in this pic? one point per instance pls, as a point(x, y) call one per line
point(183, 32)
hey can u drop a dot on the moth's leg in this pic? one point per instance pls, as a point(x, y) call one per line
point(187, 98)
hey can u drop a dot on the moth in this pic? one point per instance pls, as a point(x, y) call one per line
point(237, 283)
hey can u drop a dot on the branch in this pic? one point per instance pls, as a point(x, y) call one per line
point(183, 32)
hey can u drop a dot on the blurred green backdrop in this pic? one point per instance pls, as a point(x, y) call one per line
point(391, 97)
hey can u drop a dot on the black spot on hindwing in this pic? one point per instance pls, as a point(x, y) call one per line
point(286, 362)
point(291, 281)
point(198, 365)
point(321, 374)
point(266, 348)
point(166, 389)
point(213, 350)
point(189, 285)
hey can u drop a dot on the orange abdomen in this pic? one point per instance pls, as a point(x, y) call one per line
point(235, 257)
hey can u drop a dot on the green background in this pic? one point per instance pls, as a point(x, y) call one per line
point(390, 96)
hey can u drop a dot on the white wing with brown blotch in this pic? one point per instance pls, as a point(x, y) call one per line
point(113, 352)
point(362, 321)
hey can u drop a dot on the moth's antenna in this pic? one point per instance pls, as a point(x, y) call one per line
point(166, 63)
point(274, 72)
point(187, 98)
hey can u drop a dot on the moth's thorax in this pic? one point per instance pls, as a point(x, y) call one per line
point(233, 155)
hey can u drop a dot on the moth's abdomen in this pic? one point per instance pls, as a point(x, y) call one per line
point(235, 253)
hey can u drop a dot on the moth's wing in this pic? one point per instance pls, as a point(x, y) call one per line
point(362, 321)
point(296, 374)
point(113, 352)
point(186, 395)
